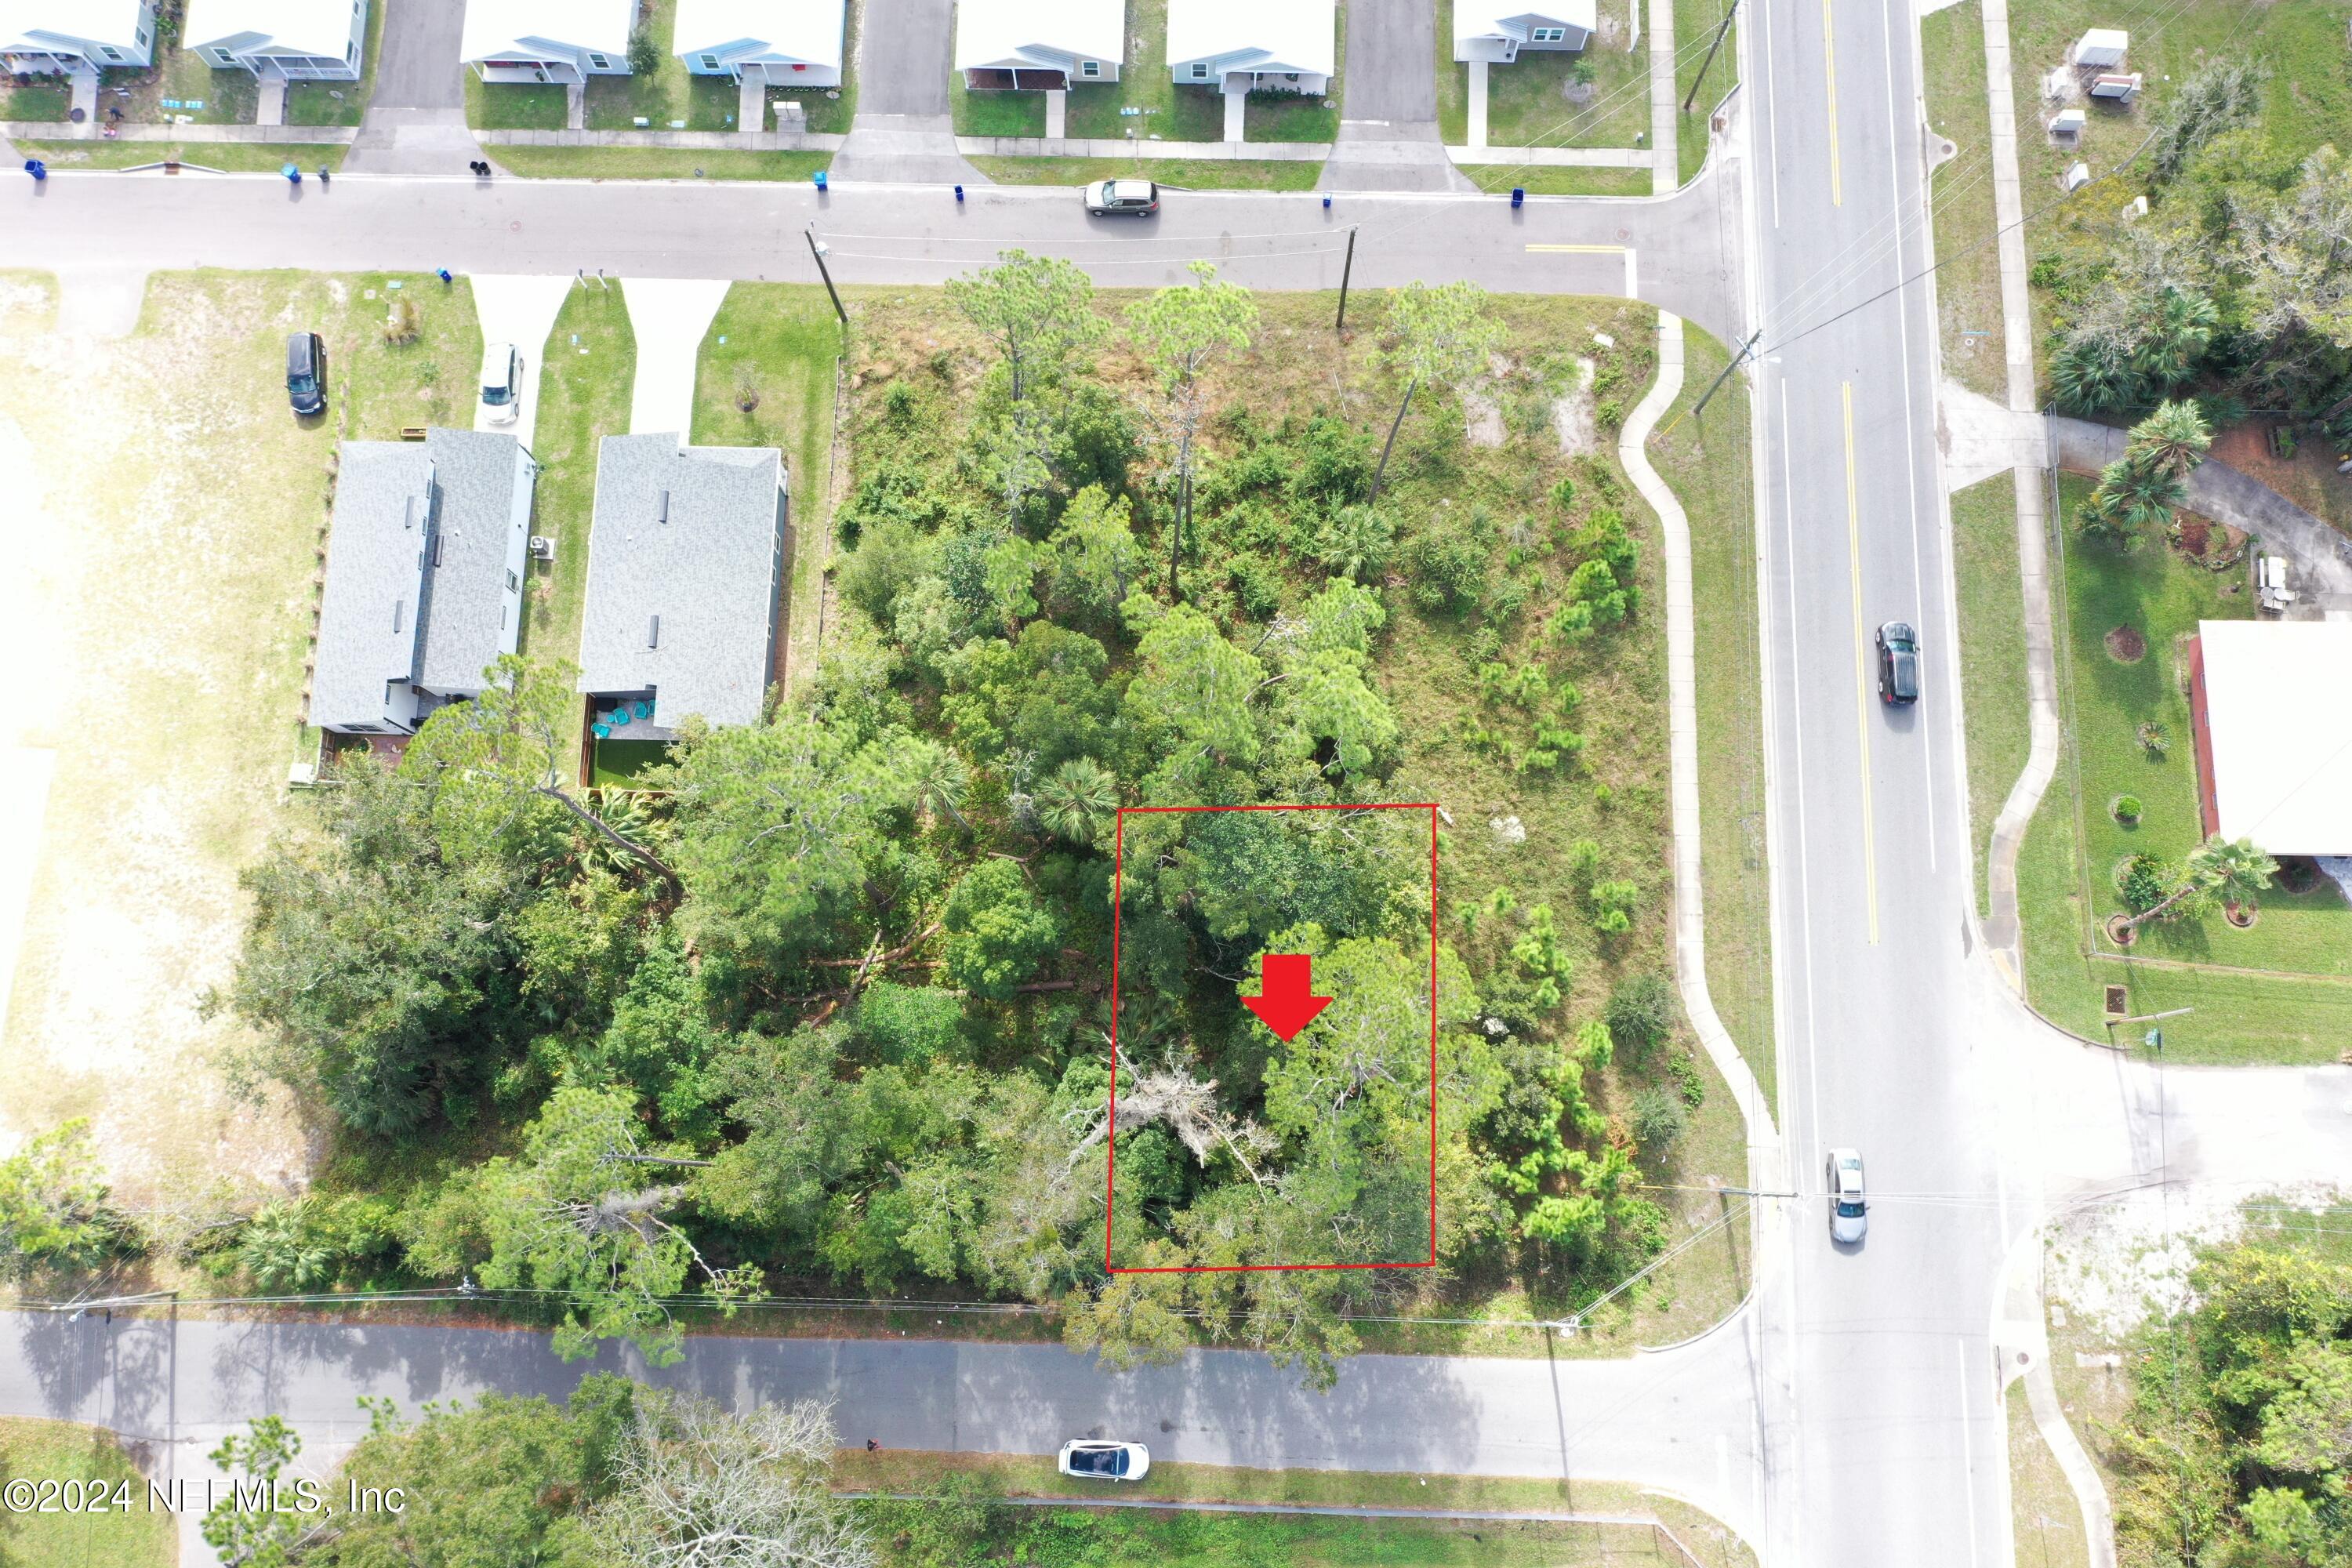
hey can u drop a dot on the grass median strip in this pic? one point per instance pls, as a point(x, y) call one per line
point(1993, 656)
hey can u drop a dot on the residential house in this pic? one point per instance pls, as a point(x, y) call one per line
point(565, 41)
point(1250, 46)
point(290, 40)
point(1047, 44)
point(426, 557)
point(41, 38)
point(2274, 734)
point(686, 573)
point(785, 43)
point(1498, 40)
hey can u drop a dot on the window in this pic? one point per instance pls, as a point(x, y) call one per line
point(223, 58)
point(140, 33)
point(514, 584)
point(1200, 70)
point(1552, 34)
point(710, 62)
point(1090, 67)
point(600, 62)
point(109, 51)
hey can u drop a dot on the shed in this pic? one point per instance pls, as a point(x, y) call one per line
point(2273, 736)
point(2101, 48)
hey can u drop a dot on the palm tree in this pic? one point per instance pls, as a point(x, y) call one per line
point(2234, 869)
point(1076, 798)
point(2171, 441)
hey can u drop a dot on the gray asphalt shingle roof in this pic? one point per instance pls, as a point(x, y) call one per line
point(375, 581)
point(475, 472)
point(685, 608)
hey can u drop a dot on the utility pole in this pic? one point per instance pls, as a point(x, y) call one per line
point(1726, 27)
point(1700, 407)
point(825, 272)
point(1409, 388)
point(1346, 270)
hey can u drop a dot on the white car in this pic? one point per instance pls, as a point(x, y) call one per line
point(1096, 1461)
point(1849, 1215)
point(502, 382)
point(1123, 198)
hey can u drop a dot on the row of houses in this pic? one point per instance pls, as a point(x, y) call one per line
point(789, 43)
point(1233, 46)
point(428, 550)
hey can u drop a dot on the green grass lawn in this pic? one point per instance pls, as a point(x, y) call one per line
point(656, 163)
point(1289, 117)
point(781, 340)
point(232, 157)
point(514, 106)
point(1019, 1476)
point(583, 398)
point(1529, 102)
point(229, 96)
point(38, 1450)
point(1968, 259)
point(1695, 21)
point(666, 94)
point(199, 503)
point(1170, 112)
point(994, 112)
point(1706, 460)
point(341, 102)
point(1181, 173)
point(829, 109)
point(2281, 992)
point(1549, 181)
point(1992, 655)
point(42, 97)
point(620, 763)
point(2043, 1514)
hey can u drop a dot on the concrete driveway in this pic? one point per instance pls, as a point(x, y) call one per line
point(1388, 138)
point(903, 132)
point(670, 317)
point(416, 123)
point(519, 311)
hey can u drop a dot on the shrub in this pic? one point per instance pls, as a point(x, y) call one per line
point(2154, 739)
point(1688, 1079)
point(1658, 1121)
point(898, 404)
point(1562, 491)
point(2143, 883)
point(746, 390)
point(1642, 1013)
point(645, 51)
point(2126, 808)
point(1449, 566)
point(402, 322)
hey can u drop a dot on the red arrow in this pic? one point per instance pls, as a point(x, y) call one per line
point(1283, 1003)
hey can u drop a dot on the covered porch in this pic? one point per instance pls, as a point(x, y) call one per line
point(526, 71)
point(1019, 78)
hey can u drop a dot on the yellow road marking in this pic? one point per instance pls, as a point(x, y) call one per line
point(1860, 668)
point(1829, 56)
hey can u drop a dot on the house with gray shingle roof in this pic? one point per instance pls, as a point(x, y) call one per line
point(686, 573)
point(426, 558)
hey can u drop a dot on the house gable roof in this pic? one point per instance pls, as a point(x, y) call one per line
point(708, 576)
point(1581, 15)
point(97, 21)
point(787, 31)
point(474, 473)
point(1255, 35)
point(1042, 32)
point(372, 604)
point(499, 27)
point(321, 28)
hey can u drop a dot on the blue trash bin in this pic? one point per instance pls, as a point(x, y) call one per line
point(1519, 195)
point(820, 179)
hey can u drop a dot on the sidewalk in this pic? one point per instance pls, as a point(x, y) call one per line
point(270, 136)
point(1118, 147)
point(700, 141)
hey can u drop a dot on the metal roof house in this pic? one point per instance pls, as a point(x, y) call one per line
point(785, 43)
point(563, 41)
point(426, 558)
point(2273, 732)
point(686, 572)
point(1569, 25)
point(39, 38)
point(1245, 46)
point(1047, 44)
point(293, 40)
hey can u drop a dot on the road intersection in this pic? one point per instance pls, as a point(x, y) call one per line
point(1850, 1412)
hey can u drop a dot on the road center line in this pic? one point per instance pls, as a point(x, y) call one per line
point(1968, 1449)
point(1861, 668)
point(1828, 59)
point(1772, 118)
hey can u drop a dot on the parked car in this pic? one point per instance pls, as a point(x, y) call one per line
point(306, 373)
point(1096, 1461)
point(502, 382)
point(1898, 663)
point(1123, 198)
point(1849, 1214)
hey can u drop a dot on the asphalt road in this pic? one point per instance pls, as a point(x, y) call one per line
point(102, 224)
point(1680, 1421)
point(1885, 1421)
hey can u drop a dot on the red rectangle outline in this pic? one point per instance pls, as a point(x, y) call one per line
point(1118, 900)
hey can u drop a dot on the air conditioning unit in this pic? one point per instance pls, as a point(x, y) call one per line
point(541, 547)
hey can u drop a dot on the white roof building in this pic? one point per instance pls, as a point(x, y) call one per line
point(2101, 48)
point(789, 43)
point(1039, 42)
point(1498, 39)
point(2275, 732)
point(43, 35)
point(305, 40)
point(548, 40)
point(1238, 44)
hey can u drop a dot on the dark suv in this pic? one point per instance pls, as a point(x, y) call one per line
point(306, 373)
point(1898, 663)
